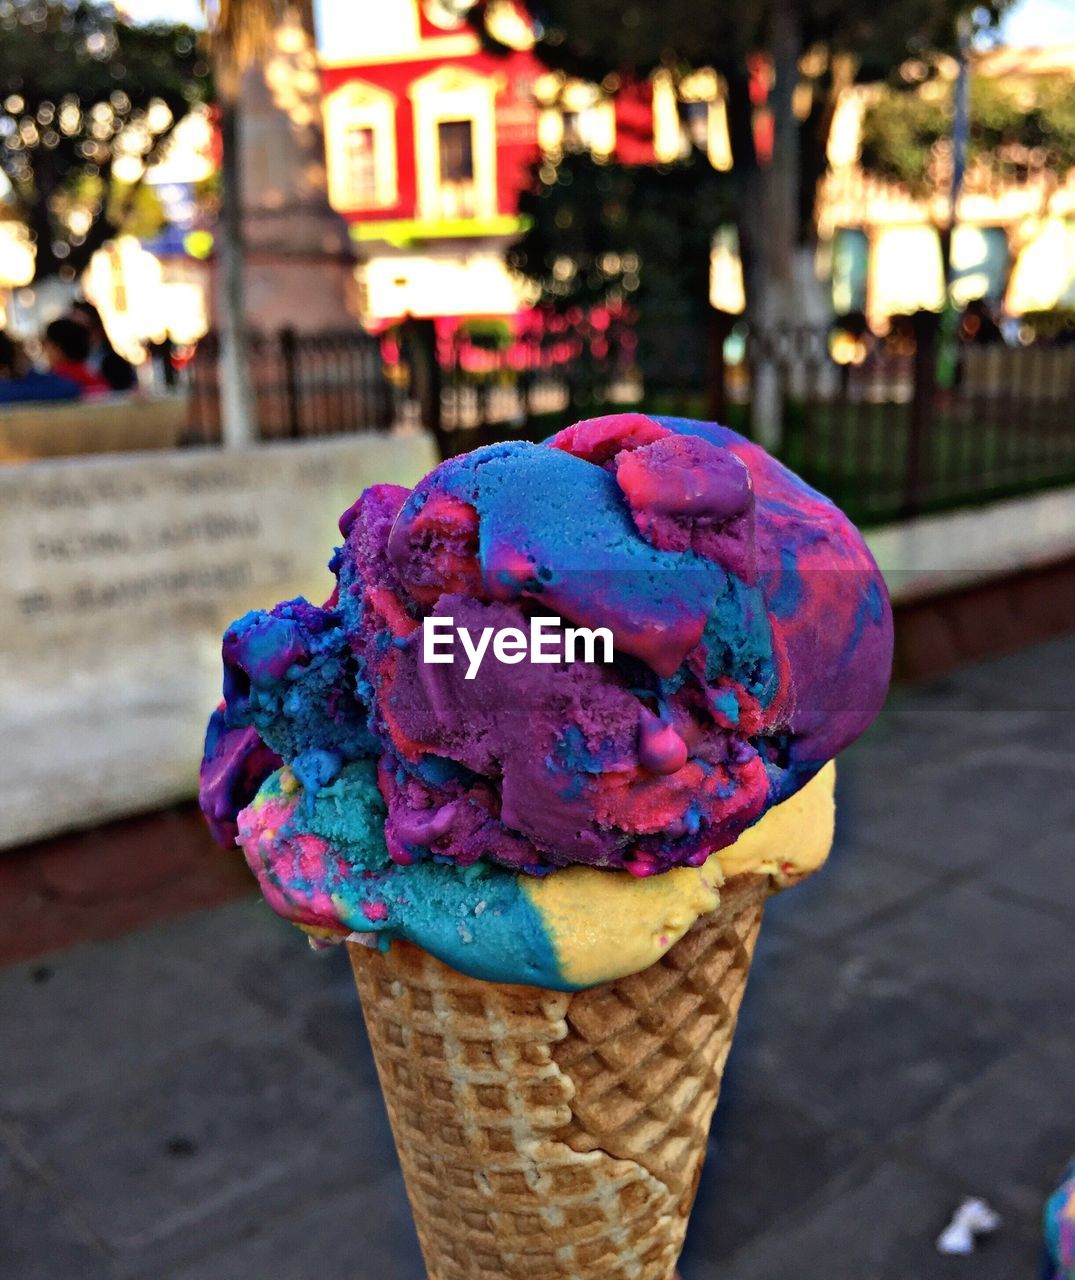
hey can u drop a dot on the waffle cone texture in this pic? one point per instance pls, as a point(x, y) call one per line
point(550, 1135)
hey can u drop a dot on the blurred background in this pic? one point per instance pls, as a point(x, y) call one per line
point(255, 255)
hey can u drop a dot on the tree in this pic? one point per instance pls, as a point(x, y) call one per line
point(813, 49)
point(810, 51)
point(1018, 126)
point(607, 236)
point(88, 102)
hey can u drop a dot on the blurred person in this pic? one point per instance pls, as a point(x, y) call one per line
point(104, 358)
point(67, 350)
point(21, 383)
point(161, 357)
point(977, 327)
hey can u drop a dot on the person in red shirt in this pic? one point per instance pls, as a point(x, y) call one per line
point(67, 350)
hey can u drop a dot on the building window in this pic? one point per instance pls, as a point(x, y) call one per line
point(360, 144)
point(360, 166)
point(455, 147)
point(690, 116)
point(572, 137)
point(455, 138)
point(455, 144)
point(586, 125)
point(695, 116)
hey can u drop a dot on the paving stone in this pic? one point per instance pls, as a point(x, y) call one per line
point(258, 955)
point(859, 1042)
point(364, 1233)
point(963, 811)
point(861, 881)
point(202, 1104)
point(1036, 678)
point(271, 964)
point(984, 947)
point(108, 1010)
point(38, 1238)
point(213, 1140)
point(765, 1159)
point(926, 727)
point(1003, 1135)
point(1040, 865)
point(882, 1227)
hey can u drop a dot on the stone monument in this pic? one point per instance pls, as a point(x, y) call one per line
point(298, 261)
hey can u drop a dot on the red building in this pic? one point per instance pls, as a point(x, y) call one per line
point(430, 139)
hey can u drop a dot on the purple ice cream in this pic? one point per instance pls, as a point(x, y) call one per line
point(752, 632)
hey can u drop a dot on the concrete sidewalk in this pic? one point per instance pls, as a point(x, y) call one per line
point(196, 1101)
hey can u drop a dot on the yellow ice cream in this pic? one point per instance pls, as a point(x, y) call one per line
point(603, 924)
point(792, 839)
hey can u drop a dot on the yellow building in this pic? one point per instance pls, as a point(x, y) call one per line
point(1014, 241)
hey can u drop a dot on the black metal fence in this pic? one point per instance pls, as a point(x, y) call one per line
point(305, 385)
point(885, 436)
point(866, 420)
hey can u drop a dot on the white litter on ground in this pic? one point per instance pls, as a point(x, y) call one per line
point(973, 1218)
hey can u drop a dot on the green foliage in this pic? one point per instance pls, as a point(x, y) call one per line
point(605, 233)
point(489, 335)
point(595, 38)
point(80, 89)
point(1017, 124)
point(612, 235)
point(615, 42)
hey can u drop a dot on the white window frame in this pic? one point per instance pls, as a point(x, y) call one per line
point(447, 94)
point(359, 105)
point(670, 139)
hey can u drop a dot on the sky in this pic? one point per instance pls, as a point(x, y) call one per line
point(1031, 22)
point(1038, 22)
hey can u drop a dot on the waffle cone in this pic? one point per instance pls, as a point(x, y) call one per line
point(547, 1135)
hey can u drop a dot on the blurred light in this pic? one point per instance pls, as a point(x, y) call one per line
point(1044, 273)
point(159, 115)
point(199, 244)
point(507, 24)
point(846, 349)
point(127, 168)
point(726, 292)
point(16, 255)
point(79, 221)
point(906, 273)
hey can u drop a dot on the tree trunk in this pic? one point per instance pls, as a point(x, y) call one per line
point(752, 248)
point(780, 177)
point(775, 287)
point(237, 404)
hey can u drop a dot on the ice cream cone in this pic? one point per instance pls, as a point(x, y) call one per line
point(547, 1135)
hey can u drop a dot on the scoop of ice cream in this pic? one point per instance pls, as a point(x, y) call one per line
point(491, 811)
point(752, 642)
point(321, 860)
point(235, 762)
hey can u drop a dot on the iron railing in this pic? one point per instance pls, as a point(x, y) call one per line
point(305, 385)
point(865, 420)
